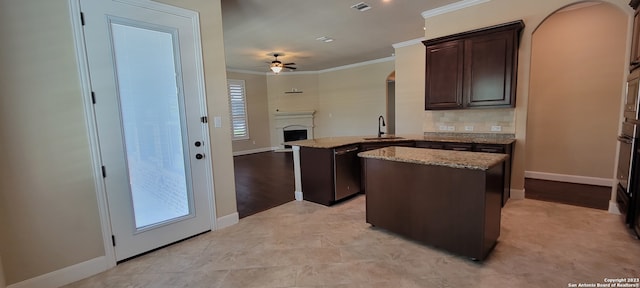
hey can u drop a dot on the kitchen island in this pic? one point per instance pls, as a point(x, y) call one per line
point(315, 159)
point(447, 199)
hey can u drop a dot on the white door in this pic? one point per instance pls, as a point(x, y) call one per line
point(146, 74)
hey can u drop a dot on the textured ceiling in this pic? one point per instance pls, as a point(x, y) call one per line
point(255, 28)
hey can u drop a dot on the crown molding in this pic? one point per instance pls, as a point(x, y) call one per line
point(246, 71)
point(381, 60)
point(451, 7)
point(316, 72)
point(409, 42)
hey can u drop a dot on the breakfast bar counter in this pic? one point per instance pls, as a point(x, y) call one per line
point(446, 158)
point(446, 199)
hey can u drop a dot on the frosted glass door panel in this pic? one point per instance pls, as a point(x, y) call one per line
point(152, 108)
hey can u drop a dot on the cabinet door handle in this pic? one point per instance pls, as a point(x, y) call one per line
point(459, 149)
point(342, 152)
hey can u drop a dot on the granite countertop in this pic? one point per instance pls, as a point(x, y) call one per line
point(333, 142)
point(479, 138)
point(446, 158)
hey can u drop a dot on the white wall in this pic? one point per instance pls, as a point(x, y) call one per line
point(257, 112)
point(350, 100)
point(574, 103)
point(277, 85)
point(410, 88)
point(488, 14)
point(347, 100)
point(48, 207)
point(45, 164)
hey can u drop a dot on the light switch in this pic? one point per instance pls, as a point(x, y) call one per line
point(217, 121)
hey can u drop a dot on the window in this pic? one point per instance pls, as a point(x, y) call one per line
point(238, 106)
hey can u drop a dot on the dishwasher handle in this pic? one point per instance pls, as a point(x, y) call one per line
point(345, 151)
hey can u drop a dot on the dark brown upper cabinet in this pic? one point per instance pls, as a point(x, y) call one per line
point(473, 69)
point(444, 75)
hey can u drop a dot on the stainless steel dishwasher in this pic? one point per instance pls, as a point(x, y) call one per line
point(346, 167)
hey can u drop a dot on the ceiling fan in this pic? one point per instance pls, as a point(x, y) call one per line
point(277, 66)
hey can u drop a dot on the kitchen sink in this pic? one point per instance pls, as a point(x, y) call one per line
point(384, 138)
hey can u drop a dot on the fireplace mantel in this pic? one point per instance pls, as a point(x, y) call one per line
point(294, 114)
point(292, 120)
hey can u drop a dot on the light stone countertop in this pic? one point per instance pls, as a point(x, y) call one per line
point(333, 142)
point(446, 158)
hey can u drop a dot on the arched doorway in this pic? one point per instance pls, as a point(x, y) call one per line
point(391, 103)
point(577, 63)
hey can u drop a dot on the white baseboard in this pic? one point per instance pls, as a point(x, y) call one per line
point(259, 150)
point(227, 220)
point(517, 194)
point(298, 195)
point(613, 208)
point(66, 275)
point(607, 182)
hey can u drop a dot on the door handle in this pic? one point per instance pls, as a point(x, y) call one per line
point(199, 156)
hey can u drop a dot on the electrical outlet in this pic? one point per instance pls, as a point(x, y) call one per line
point(496, 128)
point(451, 128)
point(468, 128)
point(442, 128)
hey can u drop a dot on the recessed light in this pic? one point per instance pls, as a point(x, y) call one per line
point(361, 6)
point(325, 39)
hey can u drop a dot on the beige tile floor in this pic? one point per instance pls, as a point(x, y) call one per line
point(302, 244)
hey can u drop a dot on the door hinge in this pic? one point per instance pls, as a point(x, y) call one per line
point(104, 172)
point(113, 240)
point(82, 18)
point(204, 119)
point(93, 97)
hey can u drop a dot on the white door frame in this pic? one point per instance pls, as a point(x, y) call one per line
point(89, 112)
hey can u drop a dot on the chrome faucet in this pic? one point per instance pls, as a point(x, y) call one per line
point(383, 125)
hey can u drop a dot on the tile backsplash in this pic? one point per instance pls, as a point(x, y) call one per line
point(470, 121)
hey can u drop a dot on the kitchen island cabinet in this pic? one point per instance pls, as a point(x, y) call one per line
point(312, 155)
point(447, 199)
point(502, 148)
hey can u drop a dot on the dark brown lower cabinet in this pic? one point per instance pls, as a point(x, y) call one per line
point(503, 149)
point(329, 175)
point(430, 144)
point(316, 169)
point(377, 145)
point(479, 147)
point(454, 209)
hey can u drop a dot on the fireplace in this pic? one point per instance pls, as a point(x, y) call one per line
point(292, 126)
point(294, 135)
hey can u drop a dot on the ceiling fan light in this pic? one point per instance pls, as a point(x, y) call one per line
point(276, 67)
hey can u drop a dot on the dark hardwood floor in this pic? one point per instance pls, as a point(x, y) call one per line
point(263, 181)
point(568, 193)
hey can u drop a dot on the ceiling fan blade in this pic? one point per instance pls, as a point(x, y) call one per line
point(289, 63)
point(289, 67)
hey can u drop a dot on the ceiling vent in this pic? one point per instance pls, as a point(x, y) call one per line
point(361, 6)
